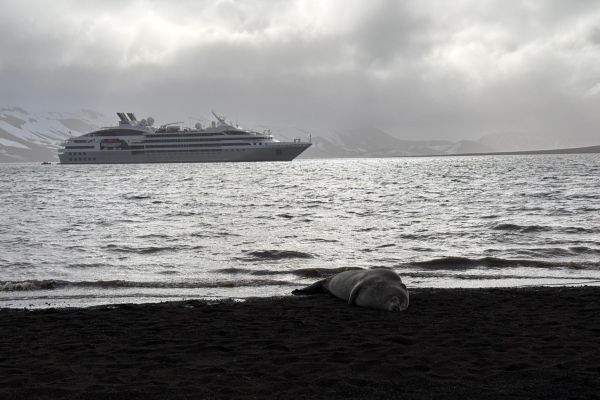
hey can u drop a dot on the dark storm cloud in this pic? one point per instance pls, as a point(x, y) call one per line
point(432, 69)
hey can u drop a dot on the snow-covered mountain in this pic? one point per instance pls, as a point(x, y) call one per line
point(35, 136)
point(373, 142)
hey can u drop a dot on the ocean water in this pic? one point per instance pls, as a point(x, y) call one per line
point(80, 235)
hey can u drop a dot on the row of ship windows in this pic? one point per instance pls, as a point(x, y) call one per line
point(181, 151)
point(179, 145)
point(203, 144)
point(163, 151)
point(163, 133)
point(186, 151)
point(277, 151)
point(71, 153)
point(147, 151)
point(196, 145)
point(152, 140)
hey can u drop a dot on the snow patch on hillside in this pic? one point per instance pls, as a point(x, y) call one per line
point(35, 136)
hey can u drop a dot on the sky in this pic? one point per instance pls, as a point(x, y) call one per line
point(418, 69)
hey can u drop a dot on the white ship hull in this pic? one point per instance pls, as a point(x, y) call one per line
point(278, 152)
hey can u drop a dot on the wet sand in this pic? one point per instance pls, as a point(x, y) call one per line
point(454, 344)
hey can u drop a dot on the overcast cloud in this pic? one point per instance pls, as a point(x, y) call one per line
point(417, 69)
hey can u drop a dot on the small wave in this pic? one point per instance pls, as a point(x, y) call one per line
point(206, 234)
point(154, 236)
point(589, 209)
point(285, 215)
point(585, 196)
point(277, 254)
point(368, 229)
point(181, 214)
point(463, 263)
point(150, 249)
point(491, 277)
point(577, 230)
point(301, 272)
point(584, 250)
point(414, 236)
point(13, 286)
point(85, 266)
point(321, 240)
point(136, 196)
point(125, 220)
point(544, 252)
point(321, 272)
point(521, 228)
point(52, 284)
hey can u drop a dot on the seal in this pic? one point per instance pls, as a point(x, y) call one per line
point(374, 288)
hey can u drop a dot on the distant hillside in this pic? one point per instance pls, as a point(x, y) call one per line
point(28, 136)
point(571, 150)
point(373, 142)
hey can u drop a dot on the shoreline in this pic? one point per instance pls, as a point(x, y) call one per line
point(535, 342)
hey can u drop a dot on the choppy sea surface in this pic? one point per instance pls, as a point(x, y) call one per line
point(81, 235)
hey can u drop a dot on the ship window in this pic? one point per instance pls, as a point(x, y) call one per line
point(117, 132)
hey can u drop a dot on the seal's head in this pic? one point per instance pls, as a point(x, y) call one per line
point(382, 293)
point(398, 303)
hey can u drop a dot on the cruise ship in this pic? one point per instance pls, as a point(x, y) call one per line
point(134, 141)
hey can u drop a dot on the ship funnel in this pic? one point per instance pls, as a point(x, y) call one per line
point(123, 118)
point(132, 117)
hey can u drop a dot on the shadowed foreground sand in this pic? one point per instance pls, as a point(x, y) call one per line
point(480, 344)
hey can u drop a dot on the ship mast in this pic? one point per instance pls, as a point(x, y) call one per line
point(220, 119)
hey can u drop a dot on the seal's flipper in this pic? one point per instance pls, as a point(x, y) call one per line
point(354, 293)
point(317, 287)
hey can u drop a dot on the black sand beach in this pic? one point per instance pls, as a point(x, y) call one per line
point(533, 343)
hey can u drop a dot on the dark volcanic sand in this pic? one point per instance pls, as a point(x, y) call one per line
point(480, 344)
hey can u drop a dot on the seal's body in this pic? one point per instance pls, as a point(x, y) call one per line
point(375, 288)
